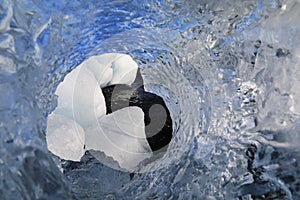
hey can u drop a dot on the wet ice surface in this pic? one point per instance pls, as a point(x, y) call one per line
point(229, 74)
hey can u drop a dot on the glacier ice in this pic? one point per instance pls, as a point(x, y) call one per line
point(79, 118)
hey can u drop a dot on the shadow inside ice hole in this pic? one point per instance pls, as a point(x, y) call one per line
point(158, 123)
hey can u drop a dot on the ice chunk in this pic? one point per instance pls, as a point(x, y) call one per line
point(99, 65)
point(65, 138)
point(112, 68)
point(124, 70)
point(80, 97)
point(121, 135)
point(81, 103)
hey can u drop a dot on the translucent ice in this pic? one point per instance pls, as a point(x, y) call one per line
point(121, 135)
point(195, 55)
point(65, 138)
point(5, 21)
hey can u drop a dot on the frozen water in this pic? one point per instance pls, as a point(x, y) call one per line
point(81, 105)
point(65, 138)
point(112, 68)
point(124, 70)
point(80, 97)
point(121, 135)
point(227, 70)
point(101, 67)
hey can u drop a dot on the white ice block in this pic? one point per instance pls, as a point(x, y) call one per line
point(121, 135)
point(80, 97)
point(65, 138)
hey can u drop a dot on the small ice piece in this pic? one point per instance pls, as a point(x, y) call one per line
point(100, 66)
point(80, 97)
point(121, 135)
point(124, 70)
point(65, 138)
point(112, 68)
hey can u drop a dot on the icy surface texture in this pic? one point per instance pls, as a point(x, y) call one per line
point(228, 71)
